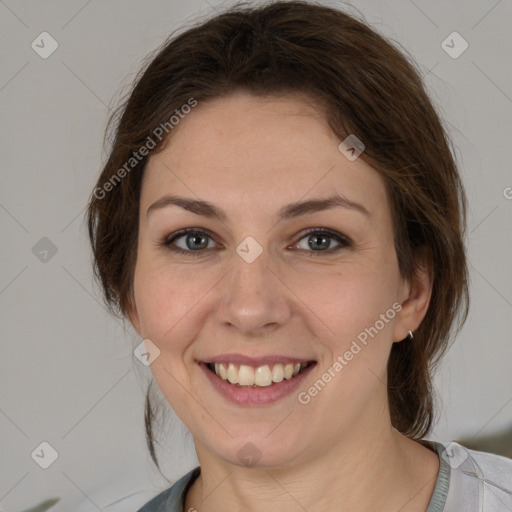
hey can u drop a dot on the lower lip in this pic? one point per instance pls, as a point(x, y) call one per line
point(242, 395)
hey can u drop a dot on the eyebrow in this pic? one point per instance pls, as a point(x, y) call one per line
point(289, 211)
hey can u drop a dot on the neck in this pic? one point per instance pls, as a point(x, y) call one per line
point(380, 470)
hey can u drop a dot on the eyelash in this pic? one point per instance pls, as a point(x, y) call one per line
point(168, 241)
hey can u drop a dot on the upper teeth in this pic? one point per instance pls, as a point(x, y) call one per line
point(261, 376)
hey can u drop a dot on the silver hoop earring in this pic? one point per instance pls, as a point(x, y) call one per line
point(410, 336)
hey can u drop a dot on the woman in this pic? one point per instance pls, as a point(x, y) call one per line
point(282, 221)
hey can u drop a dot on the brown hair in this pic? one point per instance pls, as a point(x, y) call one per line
point(365, 86)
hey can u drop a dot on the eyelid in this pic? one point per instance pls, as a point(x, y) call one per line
point(168, 240)
point(343, 240)
point(331, 232)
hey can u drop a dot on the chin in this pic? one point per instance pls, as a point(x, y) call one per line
point(259, 452)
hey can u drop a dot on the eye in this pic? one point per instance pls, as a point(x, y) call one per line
point(195, 241)
point(320, 238)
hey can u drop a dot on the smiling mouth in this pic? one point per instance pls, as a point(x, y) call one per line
point(262, 376)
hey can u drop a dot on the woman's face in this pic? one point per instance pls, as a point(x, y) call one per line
point(255, 283)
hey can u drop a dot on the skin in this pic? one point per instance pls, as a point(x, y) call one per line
point(251, 156)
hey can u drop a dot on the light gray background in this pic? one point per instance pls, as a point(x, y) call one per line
point(68, 376)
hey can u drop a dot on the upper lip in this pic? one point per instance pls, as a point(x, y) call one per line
point(255, 361)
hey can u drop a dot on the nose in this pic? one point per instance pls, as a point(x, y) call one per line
point(254, 299)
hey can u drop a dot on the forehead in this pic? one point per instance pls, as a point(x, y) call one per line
point(244, 151)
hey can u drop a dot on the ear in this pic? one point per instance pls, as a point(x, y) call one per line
point(415, 299)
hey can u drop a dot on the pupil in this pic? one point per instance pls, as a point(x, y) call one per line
point(195, 237)
point(324, 244)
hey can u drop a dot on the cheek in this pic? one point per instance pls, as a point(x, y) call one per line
point(348, 299)
point(357, 307)
point(165, 298)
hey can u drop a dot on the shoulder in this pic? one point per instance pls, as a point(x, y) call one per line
point(170, 500)
point(455, 454)
point(158, 503)
point(478, 477)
